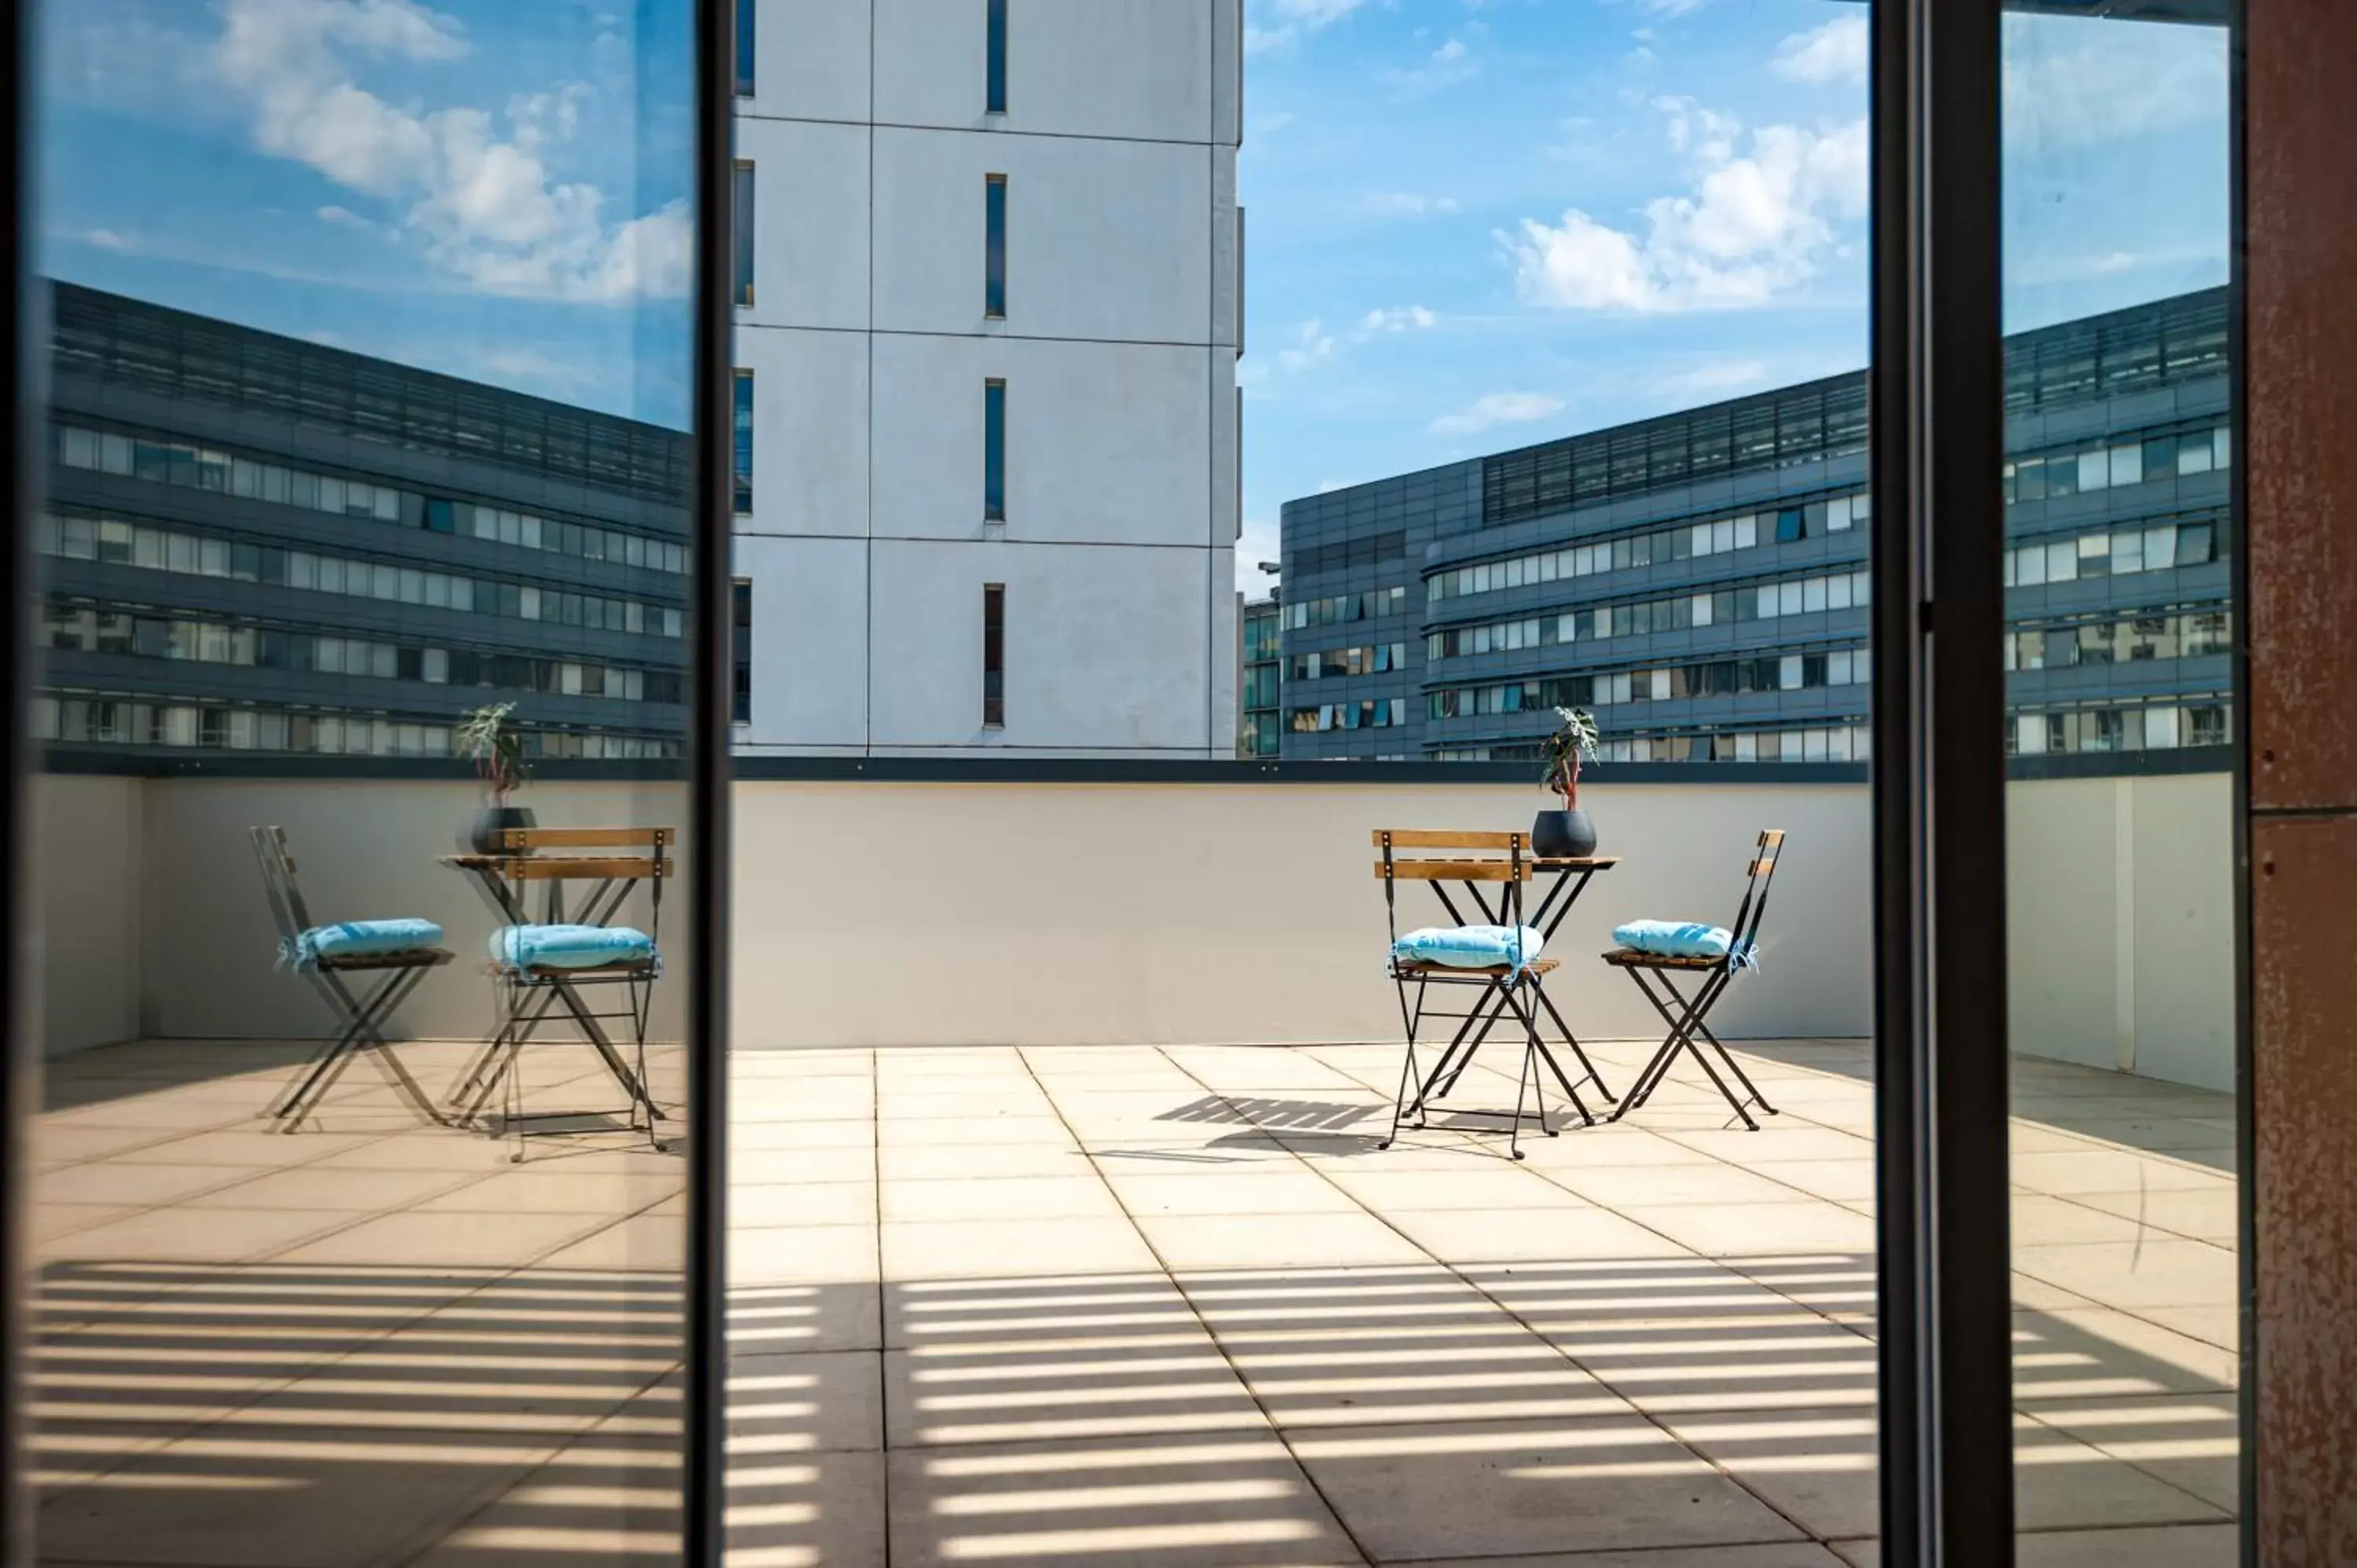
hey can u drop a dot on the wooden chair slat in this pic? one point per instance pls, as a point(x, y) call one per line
point(586, 838)
point(556, 868)
point(1452, 871)
point(1448, 838)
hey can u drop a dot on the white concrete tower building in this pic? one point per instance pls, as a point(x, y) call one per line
point(989, 347)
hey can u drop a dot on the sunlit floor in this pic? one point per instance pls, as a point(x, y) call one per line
point(1088, 1306)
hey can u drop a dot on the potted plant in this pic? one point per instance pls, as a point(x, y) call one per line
point(496, 744)
point(1566, 834)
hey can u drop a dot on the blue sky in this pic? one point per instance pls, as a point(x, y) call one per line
point(490, 189)
point(1474, 223)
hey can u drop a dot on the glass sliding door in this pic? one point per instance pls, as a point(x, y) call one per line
point(2118, 528)
point(360, 723)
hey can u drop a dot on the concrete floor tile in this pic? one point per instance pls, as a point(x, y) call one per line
point(1220, 1500)
point(1492, 1489)
point(1536, 1235)
point(168, 1235)
point(1506, 1185)
point(2137, 1275)
point(1652, 1186)
point(1761, 1229)
point(1079, 1196)
point(804, 1403)
point(802, 1255)
point(1285, 1189)
point(1191, 1242)
point(928, 1250)
point(1085, 1388)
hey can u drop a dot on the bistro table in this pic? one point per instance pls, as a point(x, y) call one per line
point(502, 880)
point(1571, 880)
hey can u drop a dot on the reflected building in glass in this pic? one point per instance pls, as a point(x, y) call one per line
point(1699, 580)
point(256, 542)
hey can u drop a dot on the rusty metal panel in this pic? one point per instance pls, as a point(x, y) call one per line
point(2301, 461)
point(2304, 1073)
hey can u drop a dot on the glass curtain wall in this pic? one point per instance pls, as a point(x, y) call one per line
point(361, 715)
point(2120, 732)
point(1079, 1211)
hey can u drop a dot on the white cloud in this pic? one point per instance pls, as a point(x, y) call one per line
point(1834, 52)
point(1497, 408)
point(345, 218)
point(107, 240)
point(1292, 20)
point(1673, 7)
point(490, 207)
point(1313, 343)
point(1407, 204)
point(1717, 377)
point(1449, 65)
point(1759, 217)
point(2071, 82)
point(1328, 487)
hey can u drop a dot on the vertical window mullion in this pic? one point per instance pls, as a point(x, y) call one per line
point(741, 218)
point(993, 450)
point(993, 247)
point(995, 84)
point(994, 655)
point(742, 443)
point(740, 640)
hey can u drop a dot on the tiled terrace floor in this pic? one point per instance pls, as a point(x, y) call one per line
point(1081, 1307)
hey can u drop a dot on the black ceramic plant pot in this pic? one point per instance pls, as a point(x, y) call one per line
point(1563, 835)
point(493, 821)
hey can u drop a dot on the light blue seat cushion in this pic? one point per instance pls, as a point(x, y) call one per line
point(1471, 947)
point(569, 947)
point(358, 939)
point(1679, 939)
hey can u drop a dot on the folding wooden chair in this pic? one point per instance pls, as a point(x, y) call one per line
point(528, 994)
point(1500, 986)
point(397, 974)
point(1688, 1030)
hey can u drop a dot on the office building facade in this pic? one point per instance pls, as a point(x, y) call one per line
point(1699, 581)
point(1260, 720)
point(986, 312)
point(258, 543)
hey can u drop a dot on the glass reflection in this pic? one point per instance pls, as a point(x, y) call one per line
point(364, 612)
point(2118, 537)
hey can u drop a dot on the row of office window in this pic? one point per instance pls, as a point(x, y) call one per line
point(1367, 550)
point(1372, 605)
point(1812, 423)
point(167, 462)
point(2127, 352)
point(1260, 686)
point(1641, 618)
point(2059, 471)
point(2112, 552)
point(86, 628)
point(166, 549)
point(1775, 671)
point(1369, 712)
point(2121, 639)
point(1847, 740)
point(70, 718)
point(1783, 524)
point(2092, 728)
point(1376, 658)
point(2109, 462)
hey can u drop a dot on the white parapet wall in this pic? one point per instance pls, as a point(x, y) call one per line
point(885, 914)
